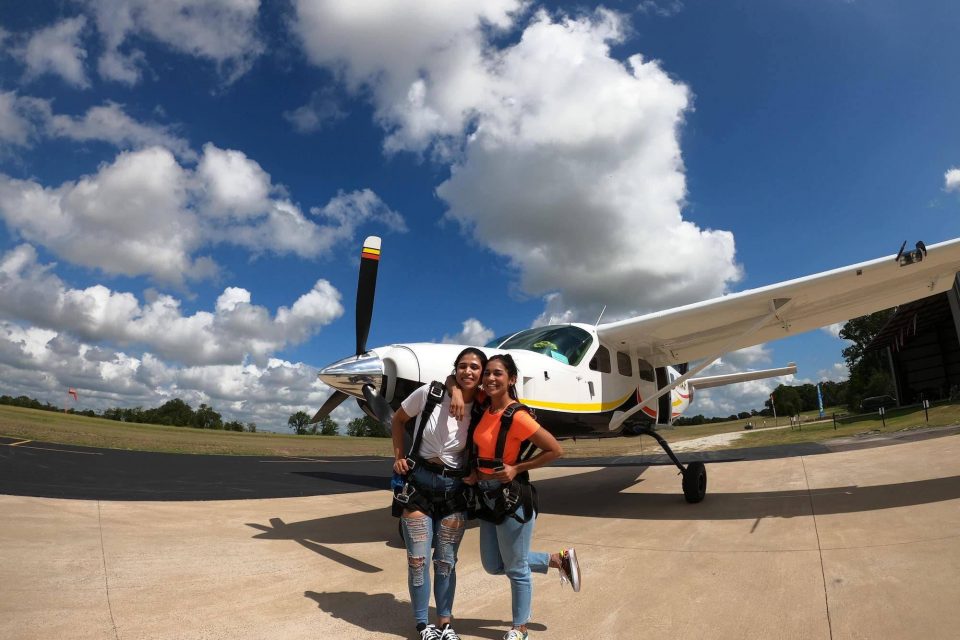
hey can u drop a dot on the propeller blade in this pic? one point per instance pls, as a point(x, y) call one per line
point(332, 403)
point(378, 404)
point(366, 288)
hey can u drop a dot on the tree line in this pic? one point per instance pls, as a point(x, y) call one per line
point(364, 426)
point(175, 413)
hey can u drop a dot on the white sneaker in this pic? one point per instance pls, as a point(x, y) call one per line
point(516, 634)
point(570, 568)
point(447, 633)
point(430, 632)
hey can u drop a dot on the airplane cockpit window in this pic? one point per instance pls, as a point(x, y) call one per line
point(645, 369)
point(601, 360)
point(623, 364)
point(496, 342)
point(565, 343)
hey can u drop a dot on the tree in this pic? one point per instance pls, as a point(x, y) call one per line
point(327, 426)
point(367, 427)
point(298, 422)
point(869, 375)
point(787, 400)
point(251, 427)
point(233, 425)
point(206, 418)
point(173, 412)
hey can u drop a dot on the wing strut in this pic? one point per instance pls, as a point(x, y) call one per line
point(778, 306)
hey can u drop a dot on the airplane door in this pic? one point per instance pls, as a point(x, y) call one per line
point(664, 402)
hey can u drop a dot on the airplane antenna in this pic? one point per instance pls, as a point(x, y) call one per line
point(601, 315)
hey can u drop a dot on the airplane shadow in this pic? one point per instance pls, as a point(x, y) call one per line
point(383, 613)
point(599, 494)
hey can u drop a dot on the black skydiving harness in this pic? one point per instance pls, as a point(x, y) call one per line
point(415, 498)
point(509, 497)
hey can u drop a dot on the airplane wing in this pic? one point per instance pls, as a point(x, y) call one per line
point(739, 320)
point(708, 382)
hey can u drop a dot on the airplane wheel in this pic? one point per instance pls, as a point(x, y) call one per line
point(695, 482)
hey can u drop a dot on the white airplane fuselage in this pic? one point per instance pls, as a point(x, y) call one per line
point(571, 399)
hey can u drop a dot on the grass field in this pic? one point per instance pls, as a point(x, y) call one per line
point(47, 426)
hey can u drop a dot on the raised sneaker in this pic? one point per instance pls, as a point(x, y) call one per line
point(447, 633)
point(570, 568)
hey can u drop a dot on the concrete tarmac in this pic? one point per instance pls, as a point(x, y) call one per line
point(853, 544)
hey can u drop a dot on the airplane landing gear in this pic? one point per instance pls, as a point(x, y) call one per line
point(694, 474)
point(695, 482)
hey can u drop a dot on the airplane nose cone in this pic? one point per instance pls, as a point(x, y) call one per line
point(351, 374)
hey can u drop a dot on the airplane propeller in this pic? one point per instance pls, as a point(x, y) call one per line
point(378, 404)
point(366, 290)
point(332, 403)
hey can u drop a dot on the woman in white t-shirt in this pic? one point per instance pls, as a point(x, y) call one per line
point(435, 515)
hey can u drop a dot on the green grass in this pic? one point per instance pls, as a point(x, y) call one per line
point(48, 426)
point(896, 420)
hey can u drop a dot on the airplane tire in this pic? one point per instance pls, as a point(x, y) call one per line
point(695, 482)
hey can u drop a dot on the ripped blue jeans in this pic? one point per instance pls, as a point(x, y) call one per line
point(444, 535)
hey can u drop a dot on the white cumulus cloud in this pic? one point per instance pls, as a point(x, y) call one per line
point(322, 110)
point(22, 119)
point(473, 333)
point(236, 329)
point(951, 180)
point(146, 214)
point(221, 31)
point(110, 123)
point(57, 50)
point(43, 364)
point(563, 159)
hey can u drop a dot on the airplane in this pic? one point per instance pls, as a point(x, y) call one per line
point(630, 376)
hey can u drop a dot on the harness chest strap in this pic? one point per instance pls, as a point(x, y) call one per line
point(506, 421)
point(434, 397)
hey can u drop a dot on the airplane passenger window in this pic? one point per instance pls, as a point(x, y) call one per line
point(601, 360)
point(563, 343)
point(645, 369)
point(623, 364)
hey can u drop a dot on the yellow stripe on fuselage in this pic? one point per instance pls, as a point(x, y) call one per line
point(370, 250)
point(584, 407)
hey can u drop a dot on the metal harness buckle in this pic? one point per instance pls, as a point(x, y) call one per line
point(403, 496)
point(510, 498)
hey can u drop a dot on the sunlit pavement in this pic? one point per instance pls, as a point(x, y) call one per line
point(858, 544)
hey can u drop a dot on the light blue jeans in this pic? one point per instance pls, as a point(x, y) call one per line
point(505, 549)
point(444, 535)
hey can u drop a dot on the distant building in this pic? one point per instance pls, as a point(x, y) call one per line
point(922, 344)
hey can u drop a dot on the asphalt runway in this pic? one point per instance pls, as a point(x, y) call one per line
point(48, 470)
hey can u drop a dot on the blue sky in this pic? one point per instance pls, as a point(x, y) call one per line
point(184, 187)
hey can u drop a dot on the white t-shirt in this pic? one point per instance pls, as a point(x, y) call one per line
point(444, 436)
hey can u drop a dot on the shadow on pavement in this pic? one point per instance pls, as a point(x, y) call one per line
point(383, 613)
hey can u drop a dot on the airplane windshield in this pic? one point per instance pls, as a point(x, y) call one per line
point(565, 343)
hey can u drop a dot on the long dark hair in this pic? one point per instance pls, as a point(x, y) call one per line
point(474, 351)
point(512, 371)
